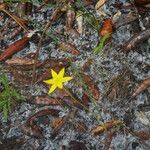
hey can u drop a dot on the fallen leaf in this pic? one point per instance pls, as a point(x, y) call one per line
point(85, 99)
point(105, 33)
point(81, 127)
point(141, 2)
point(101, 12)
point(107, 28)
point(60, 93)
point(57, 122)
point(87, 2)
point(142, 118)
point(32, 130)
point(136, 39)
point(15, 32)
point(14, 48)
point(142, 135)
point(143, 85)
point(70, 18)
point(20, 61)
point(108, 139)
point(76, 145)
point(43, 100)
point(100, 3)
point(69, 48)
point(116, 17)
point(86, 66)
point(91, 86)
point(117, 87)
point(44, 112)
point(125, 19)
point(71, 32)
point(55, 64)
point(12, 143)
point(106, 126)
point(79, 19)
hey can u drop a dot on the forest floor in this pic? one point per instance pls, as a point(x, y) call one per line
point(104, 46)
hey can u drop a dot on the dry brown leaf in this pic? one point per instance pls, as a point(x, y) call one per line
point(141, 2)
point(57, 122)
point(60, 93)
point(87, 2)
point(70, 18)
point(71, 32)
point(69, 48)
point(12, 143)
point(99, 4)
point(145, 84)
point(91, 85)
point(85, 99)
point(136, 39)
point(143, 135)
point(79, 19)
point(44, 112)
point(124, 19)
point(20, 61)
point(81, 127)
point(116, 16)
point(13, 48)
point(43, 100)
point(107, 28)
point(106, 126)
point(76, 145)
point(32, 130)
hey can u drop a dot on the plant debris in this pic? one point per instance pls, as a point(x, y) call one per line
point(145, 84)
point(140, 37)
point(102, 46)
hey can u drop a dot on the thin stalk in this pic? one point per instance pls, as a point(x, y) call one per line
point(37, 52)
point(75, 100)
point(93, 101)
point(14, 18)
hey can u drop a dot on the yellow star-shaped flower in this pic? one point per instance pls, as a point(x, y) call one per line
point(57, 80)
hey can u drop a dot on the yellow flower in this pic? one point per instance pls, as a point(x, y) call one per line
point(57, 80)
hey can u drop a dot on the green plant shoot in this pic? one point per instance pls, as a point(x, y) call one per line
point(7, 96)
point(100, 46)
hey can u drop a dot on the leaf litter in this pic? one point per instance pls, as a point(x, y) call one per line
point(103, 91)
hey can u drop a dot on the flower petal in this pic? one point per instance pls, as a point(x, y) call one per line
point(57, 80)
point(65, 79)
point(50, 81)
point(54, 74)
point(61, 72)
point(60, 85)
point(53, 87)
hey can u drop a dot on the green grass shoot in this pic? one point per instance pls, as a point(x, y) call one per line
point(100, 46)
point(7, 96)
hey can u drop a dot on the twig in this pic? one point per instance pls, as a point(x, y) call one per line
point(37, 52)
